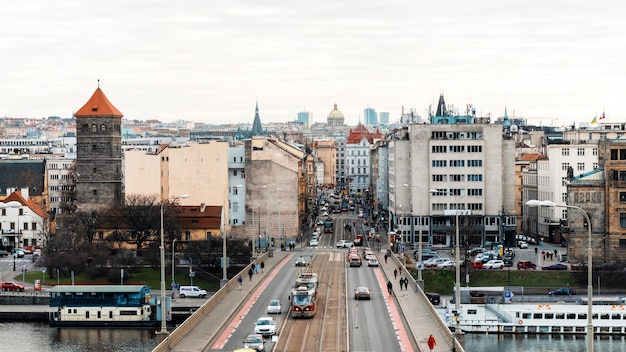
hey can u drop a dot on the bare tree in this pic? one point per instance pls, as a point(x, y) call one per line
point(68, 191)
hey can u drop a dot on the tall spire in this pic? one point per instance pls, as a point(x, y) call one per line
point(257, 128)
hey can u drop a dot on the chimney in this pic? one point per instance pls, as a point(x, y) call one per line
point(25, 193)
point(202, 206)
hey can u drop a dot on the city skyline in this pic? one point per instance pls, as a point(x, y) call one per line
point(551, 61)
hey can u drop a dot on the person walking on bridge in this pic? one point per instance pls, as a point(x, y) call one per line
point(431, 343)
point(389, 286)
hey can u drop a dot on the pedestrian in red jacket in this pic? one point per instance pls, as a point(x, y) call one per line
point(431, 343)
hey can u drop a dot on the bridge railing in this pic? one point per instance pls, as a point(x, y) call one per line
point(183, 329)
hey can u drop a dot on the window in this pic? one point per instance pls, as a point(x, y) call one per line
point(622, 243)
point(457, 163)
point(595, 151)
point(475, 148)
point(622, 154)
point(475, 178)
point(564, 166)
point(457, 178)
point(475, 163)
point(94, 128)
point(580, 166)
point(439, 149)
point(622, 220)
point(440, 178)
point(613, 154)
point(581, 151)
point(439, 163)
point(565, 151)
point(564, 197)
point(235, 206)
point(103, 128)
point(595, 166)
point(457, 149)
point(622, 197)
point(475, 206)
point(475, 192)
point(94, 192)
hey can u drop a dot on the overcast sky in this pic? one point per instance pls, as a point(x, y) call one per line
point(210, 61)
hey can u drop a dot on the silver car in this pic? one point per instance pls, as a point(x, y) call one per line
point(274, 307)
point(255, 342)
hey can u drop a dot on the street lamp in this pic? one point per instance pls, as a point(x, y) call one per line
point(457, 251)
point(162, 250)
point(224, 280)
point(546, 203)
point(173, 260)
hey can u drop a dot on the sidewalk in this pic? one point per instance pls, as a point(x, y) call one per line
point(211, 324)
point(417, 312)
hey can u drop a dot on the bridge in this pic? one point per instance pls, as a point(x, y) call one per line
point(199, 331)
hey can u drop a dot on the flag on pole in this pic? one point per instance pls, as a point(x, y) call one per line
point(602, 116)
point(594, 121)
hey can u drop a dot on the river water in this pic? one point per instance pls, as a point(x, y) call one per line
point(39, 337)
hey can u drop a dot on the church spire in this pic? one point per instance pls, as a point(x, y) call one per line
point(257, 128)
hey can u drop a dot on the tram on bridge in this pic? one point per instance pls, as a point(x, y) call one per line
point(304, 296)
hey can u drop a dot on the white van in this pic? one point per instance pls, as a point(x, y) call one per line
point(191, 291)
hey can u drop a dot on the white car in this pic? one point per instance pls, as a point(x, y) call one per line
point(360, 214)
point(523, 245)
point(494, 264)
point(448, 264)
point(255, 342)
point(313, 242)
point(265, 326)
point(344, 244)
point(274, 307)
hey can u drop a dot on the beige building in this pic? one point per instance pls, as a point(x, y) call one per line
point(326, 152)
point(198, 170)
point(277, 191)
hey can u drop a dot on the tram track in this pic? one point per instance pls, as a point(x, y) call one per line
point(323, 332)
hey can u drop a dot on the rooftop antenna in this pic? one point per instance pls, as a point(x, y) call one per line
point(98, 83)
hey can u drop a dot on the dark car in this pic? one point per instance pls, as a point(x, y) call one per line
point(526, 264)
point(433, 297)
point(563, 291)
point(555, 266)
point(3, 253)
point(508, 261)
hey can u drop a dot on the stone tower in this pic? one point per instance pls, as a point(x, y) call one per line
point(99, 154)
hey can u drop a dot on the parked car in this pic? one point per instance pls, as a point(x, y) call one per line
point(362, 293)
point(448, 264)
point(274, 307)
point(563, 291)
point(313, 242)
point(191, 291)
point(12, 286)
point(18, 252)
point(526, 264)
point(3, 253)
point(433, 297)
point(507, 260)
point(494, 264)
point(265, 326)
point(555, 266)
point(433, 263)
point(255, 342)
point(37, 252)
point(522, 244)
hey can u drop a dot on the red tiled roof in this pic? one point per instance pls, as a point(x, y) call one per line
point(360, 132)
point(34, 207)
point(98, 105)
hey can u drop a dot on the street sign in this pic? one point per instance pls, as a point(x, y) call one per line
point(43, 270)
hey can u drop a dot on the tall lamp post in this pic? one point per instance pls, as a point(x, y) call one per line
point(457, 252)
point(546, 203)
point(224, 280)
point(173, 260)
point(162, 250)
